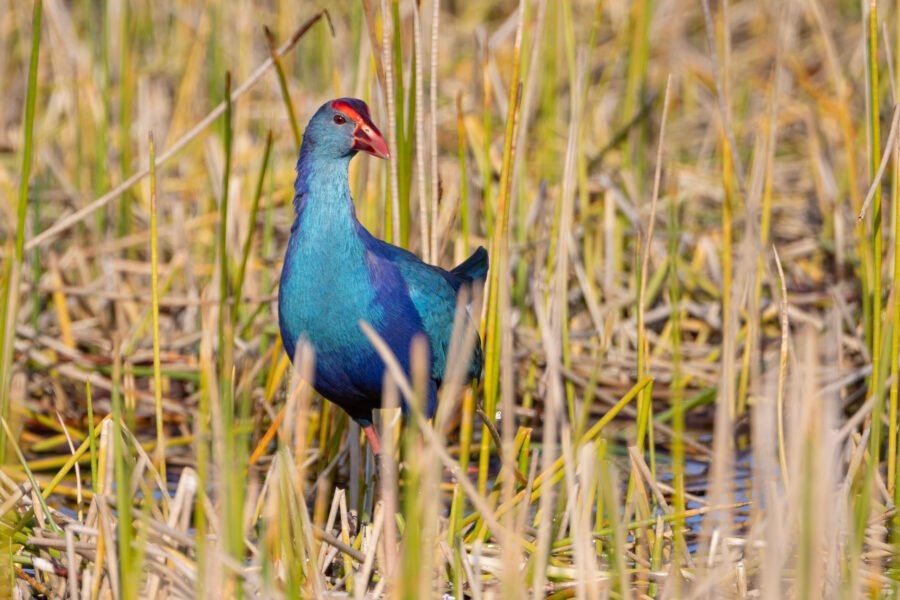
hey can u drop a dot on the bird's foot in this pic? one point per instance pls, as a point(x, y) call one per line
point(380, 468)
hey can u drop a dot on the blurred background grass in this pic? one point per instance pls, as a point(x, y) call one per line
point(688, 415)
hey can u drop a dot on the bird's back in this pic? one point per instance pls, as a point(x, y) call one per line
point(434, 292)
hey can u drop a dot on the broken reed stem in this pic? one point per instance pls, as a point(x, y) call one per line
point(875, 186)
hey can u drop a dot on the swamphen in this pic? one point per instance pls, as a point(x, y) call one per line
point(336, 273)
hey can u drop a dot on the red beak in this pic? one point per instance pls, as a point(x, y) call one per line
point(366, 137)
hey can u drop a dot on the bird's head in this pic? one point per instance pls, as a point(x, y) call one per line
point(343, 127)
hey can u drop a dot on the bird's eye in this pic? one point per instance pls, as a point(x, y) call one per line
point(340, 120)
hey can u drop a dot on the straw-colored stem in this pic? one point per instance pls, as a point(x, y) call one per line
point(678, 404)
point(392, 205)
point(782, 373)
point(419, 90)
point(895, 331)
point(463, 176)
point(154, 301)
point(487, 171)
point(92, 433)
point(432, 97)
point(894, 473)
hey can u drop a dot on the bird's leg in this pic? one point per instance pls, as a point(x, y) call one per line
point(372, 436)
point(375, 445)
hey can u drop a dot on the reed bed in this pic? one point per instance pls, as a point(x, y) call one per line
point(691, 322)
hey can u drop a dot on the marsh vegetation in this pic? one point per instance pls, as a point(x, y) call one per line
point(691, 319)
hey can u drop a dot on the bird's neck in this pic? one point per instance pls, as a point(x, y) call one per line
point(322, 202)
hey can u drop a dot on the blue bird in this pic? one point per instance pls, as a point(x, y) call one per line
point(336, 274)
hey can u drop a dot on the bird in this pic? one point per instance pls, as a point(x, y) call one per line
point(336, 274)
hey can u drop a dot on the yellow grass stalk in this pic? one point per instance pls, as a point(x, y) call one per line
point(499, 249)
point(160, 454)
point(59, 302)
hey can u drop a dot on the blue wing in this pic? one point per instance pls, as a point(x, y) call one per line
point(433, 292)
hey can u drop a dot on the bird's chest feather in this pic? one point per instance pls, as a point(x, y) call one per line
point(326, 290)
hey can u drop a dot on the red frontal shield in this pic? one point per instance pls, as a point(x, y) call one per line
point(366, 137)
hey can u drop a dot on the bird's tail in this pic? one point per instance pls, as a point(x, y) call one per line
point(474, 268)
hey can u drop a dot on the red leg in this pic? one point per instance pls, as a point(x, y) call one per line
point(374, 442)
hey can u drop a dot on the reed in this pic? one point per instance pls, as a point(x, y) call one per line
point(129, 568)
point(893, 467)
point(13, 270)
point(498, 252)
point(873, 130)
point(154, 301)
